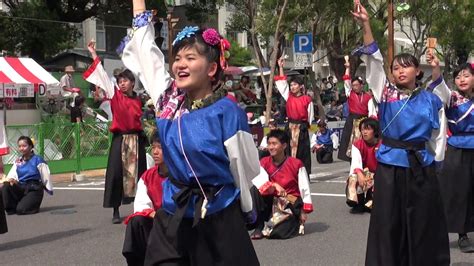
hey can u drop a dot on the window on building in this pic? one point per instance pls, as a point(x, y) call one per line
point(80, 40)
point(100, 35)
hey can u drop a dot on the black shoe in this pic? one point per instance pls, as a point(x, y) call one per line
point(11, 212)
point(116, 217)
point(358, 209)
point(465, 244)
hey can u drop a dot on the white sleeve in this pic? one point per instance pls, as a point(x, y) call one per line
point(46, 177)
point(145, 59)
point(335, 141)
point(264, 143)
point(96, 75)
point(283, 88)
point(347, 87)
point(372, 108)
point(142, 200)
point(12, 174)
point(314, 140)
point(261, 179)
point(244, 164)
point(310, 113)
point(375, 73)
point(303, 184)
point(441, 90)
point(437, 143)
point(356, 160)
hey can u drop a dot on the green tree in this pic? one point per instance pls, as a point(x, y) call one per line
point(40, 36)
point(455, 33)
point(239, 56)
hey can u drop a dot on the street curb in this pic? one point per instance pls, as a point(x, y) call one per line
point(72, 176)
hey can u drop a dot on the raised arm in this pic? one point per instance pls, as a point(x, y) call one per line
point(347, 79)
point(143, 57)
point(96, 74)
point(370, 54)
point(281, 82)
point(437, 84)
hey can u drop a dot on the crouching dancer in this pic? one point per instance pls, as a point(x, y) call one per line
point(283, 183)
point(147, 201)
point(28, 177)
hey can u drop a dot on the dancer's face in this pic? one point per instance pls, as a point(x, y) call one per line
point(275, 147)
point(405, 75)
point(192, 70)
point(465, 81)
point(368, 134)
point(356, 86)
point(24, 148)
point(157, 153)
point(125, 85)
point(295, 88)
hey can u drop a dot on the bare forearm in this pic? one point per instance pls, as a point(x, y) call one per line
point(138, 7)
point(368, 37)
point(436, 73)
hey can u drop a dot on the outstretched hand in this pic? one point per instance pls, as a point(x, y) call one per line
point(432, 59)
point(91, 48)
point(281, 62)
point(360, 13)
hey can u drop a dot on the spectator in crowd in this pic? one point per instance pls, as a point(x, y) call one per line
point(69, 90)
point(284, 178)
point(76, 110)
point(28, 177)
point(324, 142)
point(150, 112)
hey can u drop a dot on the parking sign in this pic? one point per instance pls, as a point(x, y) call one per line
point(303, 43)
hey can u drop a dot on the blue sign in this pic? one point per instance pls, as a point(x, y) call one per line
point(303, 43)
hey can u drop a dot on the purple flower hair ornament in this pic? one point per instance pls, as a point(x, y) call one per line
point(185, 33)
point(211, 37)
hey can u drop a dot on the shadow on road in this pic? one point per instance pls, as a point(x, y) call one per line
point(310, 228)
point(55, 208)
point(41, 239)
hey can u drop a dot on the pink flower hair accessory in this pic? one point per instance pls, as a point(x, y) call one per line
point(211, 36)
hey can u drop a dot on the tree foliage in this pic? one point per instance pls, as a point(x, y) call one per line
point(239, 56)
point(39, 36)
point(42, 28)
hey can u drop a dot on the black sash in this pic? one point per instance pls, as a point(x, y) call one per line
point(182, 200)
point(415, 158)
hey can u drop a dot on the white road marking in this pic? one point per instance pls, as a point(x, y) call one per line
point(329, 181)
point(99, 183)
point(328, 195)
point(79, 188)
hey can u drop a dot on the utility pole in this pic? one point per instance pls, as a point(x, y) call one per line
point(391, 42)
point(171, 23)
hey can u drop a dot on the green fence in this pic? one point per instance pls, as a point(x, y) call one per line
point(67, 147)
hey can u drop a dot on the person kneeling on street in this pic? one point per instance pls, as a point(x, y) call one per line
point(281, 192)
point(363, 165)
point(324, 142)
point(29, 176)
point(147, 200)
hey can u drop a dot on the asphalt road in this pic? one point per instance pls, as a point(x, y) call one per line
point(73, 229)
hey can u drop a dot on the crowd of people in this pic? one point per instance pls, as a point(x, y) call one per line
point(211, 185)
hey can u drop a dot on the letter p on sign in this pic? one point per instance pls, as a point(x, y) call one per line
point(303, 43)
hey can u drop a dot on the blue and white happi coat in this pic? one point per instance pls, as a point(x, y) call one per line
point(416, 118)
point(215, 139)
